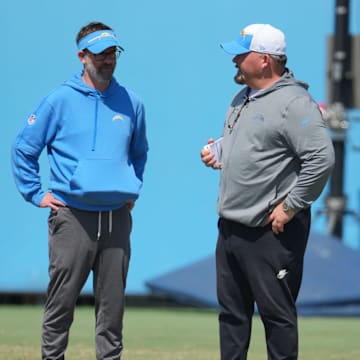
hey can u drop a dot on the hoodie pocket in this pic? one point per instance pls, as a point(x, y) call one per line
point(105, 181)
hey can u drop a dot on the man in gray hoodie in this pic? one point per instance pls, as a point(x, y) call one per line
point(276, 157)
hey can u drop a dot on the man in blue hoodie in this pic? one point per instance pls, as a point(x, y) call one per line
point(276, 159)
point(94, 132)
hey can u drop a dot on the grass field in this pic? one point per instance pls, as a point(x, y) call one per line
point(171, 334)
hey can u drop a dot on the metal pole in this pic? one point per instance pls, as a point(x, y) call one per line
point(340, 74)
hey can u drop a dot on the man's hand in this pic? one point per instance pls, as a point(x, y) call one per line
point(49, 201)
point(278, 218)
point(208, 158)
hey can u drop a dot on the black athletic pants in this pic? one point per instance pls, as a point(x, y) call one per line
point(256, 266)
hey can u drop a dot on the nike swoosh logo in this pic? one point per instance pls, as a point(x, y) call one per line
point(305, 121)
point(281, 274)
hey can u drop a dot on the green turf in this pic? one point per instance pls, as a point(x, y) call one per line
point(171, 334)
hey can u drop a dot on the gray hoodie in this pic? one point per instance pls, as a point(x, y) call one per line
point(275, 145)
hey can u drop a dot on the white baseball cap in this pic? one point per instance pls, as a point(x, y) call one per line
point(262, 38)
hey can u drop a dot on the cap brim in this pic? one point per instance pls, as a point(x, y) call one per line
point(234, 48)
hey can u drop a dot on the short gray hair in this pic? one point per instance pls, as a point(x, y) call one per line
point(279, 59)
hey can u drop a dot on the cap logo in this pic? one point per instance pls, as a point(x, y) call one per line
point(102, 35)
point(243, 33)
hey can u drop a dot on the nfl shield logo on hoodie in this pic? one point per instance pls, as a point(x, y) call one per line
point(31, 120)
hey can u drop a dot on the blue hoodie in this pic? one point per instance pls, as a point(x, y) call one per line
point(96, 145)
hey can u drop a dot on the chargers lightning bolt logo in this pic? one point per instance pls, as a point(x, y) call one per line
point(117, 117)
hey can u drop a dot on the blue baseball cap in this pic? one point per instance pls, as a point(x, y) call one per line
point(98, 41)
point(262, 38)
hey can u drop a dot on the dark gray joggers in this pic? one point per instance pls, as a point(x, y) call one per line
point(81, 242)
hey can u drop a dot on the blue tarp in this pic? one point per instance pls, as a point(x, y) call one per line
point(331, 280)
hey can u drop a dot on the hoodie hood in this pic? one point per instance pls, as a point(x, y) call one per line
point(78, 84)
point(287, 79)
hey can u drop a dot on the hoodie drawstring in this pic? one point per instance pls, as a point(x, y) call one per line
point(110, 222)
point(93, 146)
point(99, 224)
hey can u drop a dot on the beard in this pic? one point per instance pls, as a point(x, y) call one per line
point(102, 73)
point(239, 78)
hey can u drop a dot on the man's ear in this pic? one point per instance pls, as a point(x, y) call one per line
point(81, 55)
point(266, 59)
